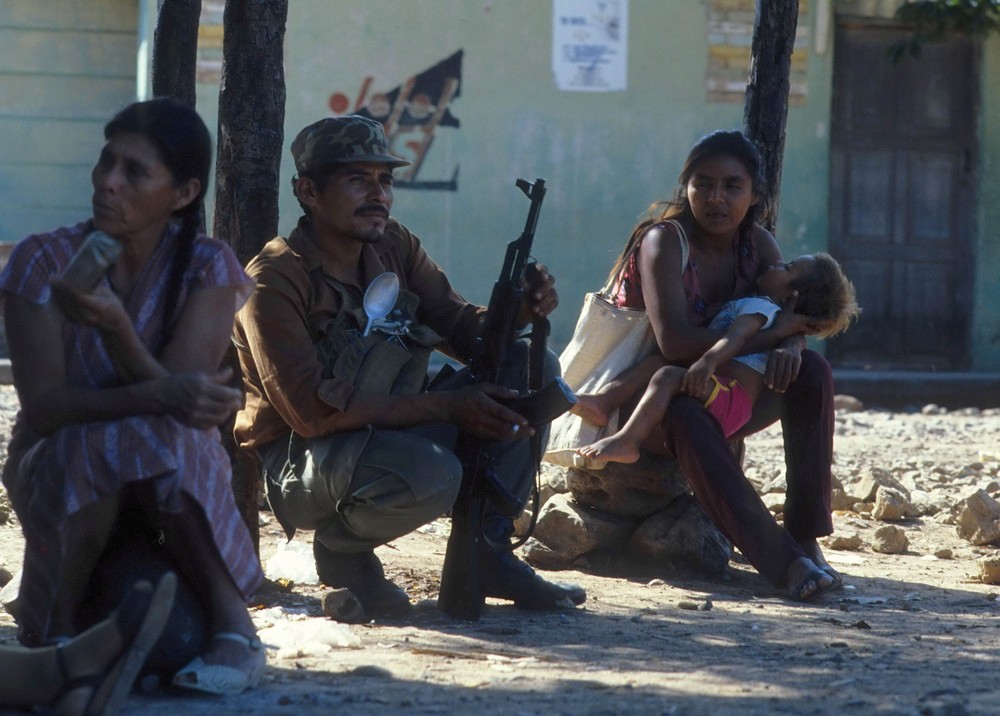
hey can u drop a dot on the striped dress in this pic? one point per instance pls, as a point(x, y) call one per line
point(51, 478)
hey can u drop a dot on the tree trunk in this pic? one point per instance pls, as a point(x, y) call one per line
point(251, 132)
point(766, 107)
point(175, 49)
point(251, 124)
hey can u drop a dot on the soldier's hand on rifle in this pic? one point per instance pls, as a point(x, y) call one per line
point(474, 411)
point(540, 297)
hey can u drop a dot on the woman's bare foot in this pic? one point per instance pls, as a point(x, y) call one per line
point(592, 409)
point(806, 581)
point(615, 448)
point(812, 549)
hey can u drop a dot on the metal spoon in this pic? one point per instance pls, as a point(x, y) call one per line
point(380, 297)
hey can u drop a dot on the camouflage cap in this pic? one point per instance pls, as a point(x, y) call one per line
point(338, 140)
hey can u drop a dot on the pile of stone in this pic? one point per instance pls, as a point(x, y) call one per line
point(643, 514)
point(638, 514)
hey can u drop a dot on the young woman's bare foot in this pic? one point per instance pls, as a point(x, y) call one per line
point(812, 549)
point(806, 581)
point(611, 449)
point(591, 408)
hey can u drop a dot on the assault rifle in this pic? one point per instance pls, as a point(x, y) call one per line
point(462, 594)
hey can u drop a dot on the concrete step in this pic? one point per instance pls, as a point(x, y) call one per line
point(897, 390)
point(901, 390)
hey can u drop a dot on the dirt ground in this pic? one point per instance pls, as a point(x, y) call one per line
point(911, 633)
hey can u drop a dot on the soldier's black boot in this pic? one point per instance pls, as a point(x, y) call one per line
point(504, 576)
point(362, 573)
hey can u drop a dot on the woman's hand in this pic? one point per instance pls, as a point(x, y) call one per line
point(540, 297)
point(101, 308)
point(474, 410)
point(201, 400)
point(783, 364)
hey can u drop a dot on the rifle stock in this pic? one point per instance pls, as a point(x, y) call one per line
point(462, 593)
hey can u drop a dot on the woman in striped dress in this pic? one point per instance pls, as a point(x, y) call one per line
point(121, 392)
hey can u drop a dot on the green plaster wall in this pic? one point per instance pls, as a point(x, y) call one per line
point(605, 156)
point(986, 326)
point(65, 67)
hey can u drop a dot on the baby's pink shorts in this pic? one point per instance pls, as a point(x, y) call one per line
point(729, 404)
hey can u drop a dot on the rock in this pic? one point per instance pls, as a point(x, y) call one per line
point(775, 502)
point(640, 489)
point(890, 505)
point(682, 534)
point(867, 488)
point(540, 556)
point(864, 508)
point(847, 404)
point(850, 543)
point(341, 605)
point(890, 539)
point(923, 503)
point(776, 484)
point(571, 530)
point(979, 519)
point(8, 595)
point(989, 570)
point(841, 501)
point(553, 479)
point(5, 576)
point(943, 553)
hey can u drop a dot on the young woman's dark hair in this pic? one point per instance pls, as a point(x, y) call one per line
point(185, 147)
point(720, 143)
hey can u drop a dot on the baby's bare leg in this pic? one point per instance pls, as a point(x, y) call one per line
point(623, 446)
point(597, 407)
point(593, 408)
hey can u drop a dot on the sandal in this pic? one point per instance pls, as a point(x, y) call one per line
point(585, 462)
point(220, 679)
point(140, 620)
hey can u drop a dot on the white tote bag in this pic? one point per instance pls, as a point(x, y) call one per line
point(607, 340)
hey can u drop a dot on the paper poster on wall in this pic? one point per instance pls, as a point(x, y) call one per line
point(590, 45)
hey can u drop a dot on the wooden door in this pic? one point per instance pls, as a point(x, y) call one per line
point(902, 199)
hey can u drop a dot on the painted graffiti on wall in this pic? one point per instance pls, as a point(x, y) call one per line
point(412, 114)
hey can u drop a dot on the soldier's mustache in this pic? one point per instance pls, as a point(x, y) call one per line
point(370, 208)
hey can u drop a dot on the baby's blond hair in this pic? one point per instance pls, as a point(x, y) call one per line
point(827, 295)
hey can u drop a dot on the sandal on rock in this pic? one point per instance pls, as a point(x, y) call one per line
point(585, 462)
point(103, 694)
point(220, 679)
